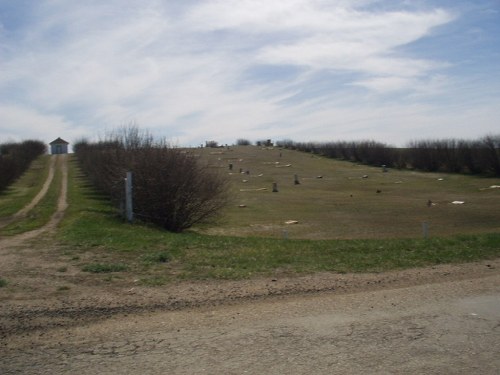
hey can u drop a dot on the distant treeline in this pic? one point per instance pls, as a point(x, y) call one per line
point(480, 156)
point(15, 158)
point(171, 188)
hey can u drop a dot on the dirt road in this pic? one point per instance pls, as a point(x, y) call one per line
point(443, 328)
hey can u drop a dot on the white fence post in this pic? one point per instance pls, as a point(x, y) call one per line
point(128, 198)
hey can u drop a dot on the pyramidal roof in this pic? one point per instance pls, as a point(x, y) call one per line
point(58, 140)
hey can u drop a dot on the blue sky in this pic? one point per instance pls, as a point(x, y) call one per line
point(197, 70)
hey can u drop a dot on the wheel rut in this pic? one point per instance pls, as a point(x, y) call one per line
point(57, 162)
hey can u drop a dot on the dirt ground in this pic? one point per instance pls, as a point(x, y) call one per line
point(437, 320)
point(444, 320)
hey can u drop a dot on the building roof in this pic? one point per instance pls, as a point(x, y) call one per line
point(59, 140)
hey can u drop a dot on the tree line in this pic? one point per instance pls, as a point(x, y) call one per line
point(172, 188)
point(15, 159)
point(481, 156)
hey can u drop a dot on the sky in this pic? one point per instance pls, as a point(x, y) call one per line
point(193, 71)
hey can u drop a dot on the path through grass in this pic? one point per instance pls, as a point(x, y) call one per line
point(25, 188)
point(41, 213)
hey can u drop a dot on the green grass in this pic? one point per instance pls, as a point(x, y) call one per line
point(3, 283)
point(104, 268)
point(93, 228)
point(342, 204)
point(96, 239)
point(156, 257)
point(155, 280)
point(25, 188)
point(41, 213)
point(223, 257)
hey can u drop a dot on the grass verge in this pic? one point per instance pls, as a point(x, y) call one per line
point(25, 188)
point(104, 268)
point(93, 228)
point(41, 213)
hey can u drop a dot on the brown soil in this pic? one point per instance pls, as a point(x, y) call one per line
point(37, 304)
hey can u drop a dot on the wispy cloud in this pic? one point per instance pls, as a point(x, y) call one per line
point(224, 69)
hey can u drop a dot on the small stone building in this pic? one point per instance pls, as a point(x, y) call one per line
point(59, 146)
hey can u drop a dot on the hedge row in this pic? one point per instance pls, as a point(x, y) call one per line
point(15, 159)
point(450, 155)
point(171, 188)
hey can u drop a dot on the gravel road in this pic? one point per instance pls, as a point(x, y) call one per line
point(437, 328)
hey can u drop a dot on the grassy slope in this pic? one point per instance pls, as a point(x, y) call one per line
point(96, 238)
point(23, 191)
point(342, 204)
point(25, 188)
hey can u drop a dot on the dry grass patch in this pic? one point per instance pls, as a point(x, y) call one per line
point(334, 201)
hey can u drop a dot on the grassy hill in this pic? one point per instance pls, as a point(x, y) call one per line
point(343, 200)
point(344, 225)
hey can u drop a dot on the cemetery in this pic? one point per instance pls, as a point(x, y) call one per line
point(331, 199)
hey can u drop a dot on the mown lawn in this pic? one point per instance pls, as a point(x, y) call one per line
point(334, 201)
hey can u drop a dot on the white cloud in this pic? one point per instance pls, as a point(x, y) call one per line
point(31, 124)
point(181, 68)
point(387, 84)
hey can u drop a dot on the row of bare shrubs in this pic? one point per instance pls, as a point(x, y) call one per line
point(171, 188)
point(480, 156)
point(15, 159)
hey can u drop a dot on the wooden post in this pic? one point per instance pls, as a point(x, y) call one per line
point(128, 198)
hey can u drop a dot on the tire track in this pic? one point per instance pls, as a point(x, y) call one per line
point(437, 328)
point(57, 162)
point(43, 191)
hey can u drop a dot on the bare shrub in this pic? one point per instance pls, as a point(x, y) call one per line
point(458, 156)
point(286, 143)
point(446, 155)
point(15, 159)
point(490, 155)
point(211, 144)
point(243, 142)
point(174, 189)
point(264, 143)
point(171, 188)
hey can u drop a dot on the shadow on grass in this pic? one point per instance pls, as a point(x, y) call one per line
point(6, 191)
